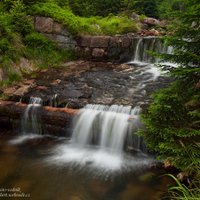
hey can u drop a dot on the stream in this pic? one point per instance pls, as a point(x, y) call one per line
point(103, 159)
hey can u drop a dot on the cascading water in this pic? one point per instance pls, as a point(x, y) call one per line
point(30, 121)
point(100, 136)
point(152, 44)
point(30, 125)
point(108, 127)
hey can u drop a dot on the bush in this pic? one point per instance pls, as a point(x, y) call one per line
point(22, 23)
point(37, 40)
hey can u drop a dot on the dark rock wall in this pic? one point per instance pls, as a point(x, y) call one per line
point(105, 48)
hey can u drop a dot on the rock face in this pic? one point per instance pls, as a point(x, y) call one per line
point(55, 32)
point(105, 48)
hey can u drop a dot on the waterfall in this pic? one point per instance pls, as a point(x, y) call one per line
point(109, 128)
point(152, 44)
point(30, 122)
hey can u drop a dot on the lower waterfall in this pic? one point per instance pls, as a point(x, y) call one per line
point(102, 136)
point(108, 127)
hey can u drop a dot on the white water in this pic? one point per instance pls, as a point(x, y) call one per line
point(30, 121)
point(100, 135)
point(106, 127)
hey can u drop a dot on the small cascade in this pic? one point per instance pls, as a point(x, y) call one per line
point(110, 128)
point(152, 44)
point(54, 100)
point(30, 122)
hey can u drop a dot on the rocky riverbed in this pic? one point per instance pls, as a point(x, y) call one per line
point(75, 84)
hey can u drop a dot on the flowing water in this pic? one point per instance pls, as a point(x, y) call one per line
point(103, 159)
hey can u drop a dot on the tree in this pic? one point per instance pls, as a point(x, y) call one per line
point(173, 120)
point(146, 7)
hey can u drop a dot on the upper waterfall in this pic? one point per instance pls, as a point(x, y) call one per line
point(153, 44)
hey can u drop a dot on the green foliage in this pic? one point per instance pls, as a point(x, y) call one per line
point(168, 124)
point(64, 16)
point(14, 77)
point(22, 23)
point(109, 25)
point(167, 8)
point(95, 7)
point(173, 118)
point(142, 17)
point(38, 46)
point(182, 192)
point(38, 41)
point(146, 7)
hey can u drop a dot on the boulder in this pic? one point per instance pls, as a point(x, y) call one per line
point(44, 24)
point(151, 21)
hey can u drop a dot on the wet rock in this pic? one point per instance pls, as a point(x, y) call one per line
point(124, 57)
point(55, 82)
point(123, 67)
point(41, 88)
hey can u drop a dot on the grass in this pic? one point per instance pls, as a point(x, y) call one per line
point(182, 192)
point(76, 25)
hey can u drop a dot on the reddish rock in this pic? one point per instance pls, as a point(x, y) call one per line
point(99, 41)
point(57, 27)
point(164, 23)
point(151, 21)
point(151, 33)
point(41, 88)
point(22, 90)
point(44, 24)
point(10, 91)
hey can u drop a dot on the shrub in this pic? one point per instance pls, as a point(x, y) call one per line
point(22, 23)
point(37, 40)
